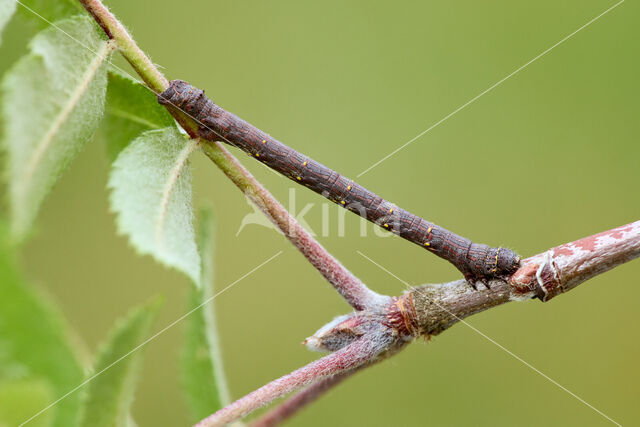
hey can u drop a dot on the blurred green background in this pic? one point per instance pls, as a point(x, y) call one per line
point(550, 155)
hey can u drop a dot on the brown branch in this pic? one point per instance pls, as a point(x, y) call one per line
point(294, 404)
point(431, 309)
point(564, 267)
point(542, 276)
point(359, 352)
point(356, 293)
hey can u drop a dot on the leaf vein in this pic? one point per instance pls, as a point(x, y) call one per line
point(181, 161)
point(132, 117)
point(64, 114)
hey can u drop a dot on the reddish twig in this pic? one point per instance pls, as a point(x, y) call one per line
point(541, 276)
point(564, 267)
point(356, 293)
point(429, 310)
point(357, 353)
point(291, 406)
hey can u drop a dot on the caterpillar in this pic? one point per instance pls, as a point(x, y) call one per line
point(476, 261)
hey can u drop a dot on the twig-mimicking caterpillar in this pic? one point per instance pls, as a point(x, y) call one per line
point(478, 262)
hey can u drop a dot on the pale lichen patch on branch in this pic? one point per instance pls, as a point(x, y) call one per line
point(564, 267)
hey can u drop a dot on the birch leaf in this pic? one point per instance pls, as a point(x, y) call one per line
point(50, 10)
point(20, 399)
point(7, 8)
point(204, 382)
point(110, 393)
point(131, 109)
point(150, 186)
point(35, 352)
point(53, 101)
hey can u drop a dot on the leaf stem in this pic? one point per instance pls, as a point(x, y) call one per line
point(128, 47)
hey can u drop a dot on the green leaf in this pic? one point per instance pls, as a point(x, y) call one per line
point(151, 195)
point(51, 10)
point(111, 391)
point(53, 102)
point(20, 399)
point(202, 370)
point(131, 109)
point(7, 8)
point(35, 353)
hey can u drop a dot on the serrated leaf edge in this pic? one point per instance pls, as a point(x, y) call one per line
point(64, 114)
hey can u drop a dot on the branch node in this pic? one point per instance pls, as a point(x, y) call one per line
point(402, 316)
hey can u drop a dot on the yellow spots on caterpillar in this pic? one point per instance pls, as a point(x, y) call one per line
point(386, 226)
point(304, 164)
point(391, 210)
point(427, 244)
point(429, 230)
point(298, 178)
point(257, 154)
point(264, 141)
point(342, 201)
point(348, 188)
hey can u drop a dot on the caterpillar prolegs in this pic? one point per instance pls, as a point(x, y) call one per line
point(478, 262)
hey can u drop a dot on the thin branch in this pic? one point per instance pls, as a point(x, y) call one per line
point(564, 267)
point(350, 287)
point(542, 276)
point(294, 404)
point(130, 50)
point(429, 310)
point(350, 357)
